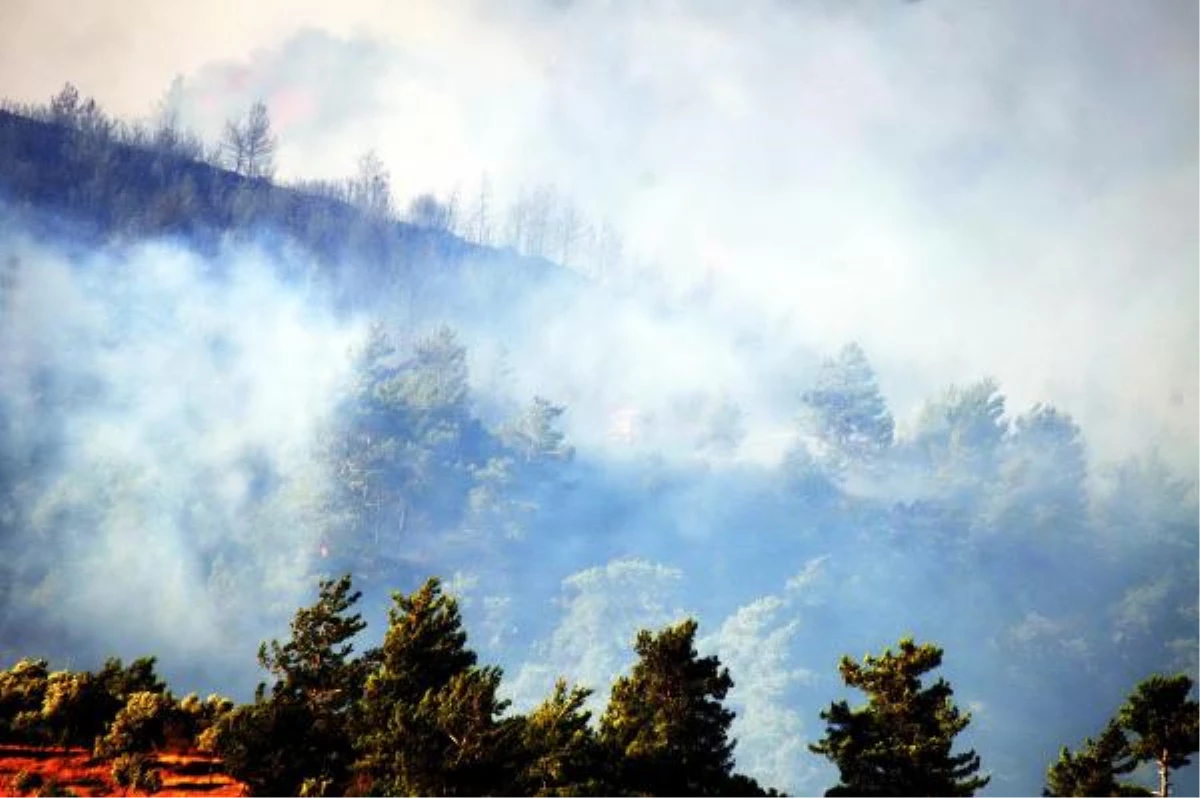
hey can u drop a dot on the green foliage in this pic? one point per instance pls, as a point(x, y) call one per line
point(412, 458)
point(68, 707)
point(1164, 722)
point(561, 754)
point(76, 707)
point(135, 771)
point(1093, 770)
point(428, 718)
point(427, 721)
point(665, 725)
point(140, 725)
point(22, 692)
point(197, 718)
point(464, 749)
point(900, 742)
point(434, 384)
point(266, 745)
point(314, 667)
point(405, 452)
point(298, 735)
point(424, 647)
point(123, 681)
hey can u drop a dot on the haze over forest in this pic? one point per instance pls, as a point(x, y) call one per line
point(824, 323)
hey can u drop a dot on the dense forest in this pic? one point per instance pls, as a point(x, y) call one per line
point(217, 390)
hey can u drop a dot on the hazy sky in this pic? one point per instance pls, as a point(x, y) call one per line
point(965, 188)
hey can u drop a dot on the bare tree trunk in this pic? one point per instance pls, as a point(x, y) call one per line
point(1164, 774)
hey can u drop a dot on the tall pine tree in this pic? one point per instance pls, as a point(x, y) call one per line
point(296, 740)
point(900, 742)
point(1164, 721)
point(428, 721)
point(665, 726)
point(560, 753)
point(1094, 768)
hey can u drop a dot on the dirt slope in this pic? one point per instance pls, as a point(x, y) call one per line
point(188, 773)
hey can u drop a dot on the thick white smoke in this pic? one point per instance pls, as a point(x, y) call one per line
point(164, 422)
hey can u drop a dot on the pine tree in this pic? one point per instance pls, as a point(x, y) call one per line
point(665, 726)
point(315, 667)
point(535, 435)
point(560, 753)
point(1094, 769)
point(900, 742)
point(850, 415)
point(299, 733)
point(1164, 721)
point(427, 723)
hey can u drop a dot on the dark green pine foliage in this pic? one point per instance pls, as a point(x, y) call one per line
point(295, 741)
point(1094, 768)
point(75, 709)
point(121, 681)
point(264, 744)
point(900, 742)
point(665, 728)
point(1164, 722)
point(560, 753)
point(315, 667)
point(427, 723)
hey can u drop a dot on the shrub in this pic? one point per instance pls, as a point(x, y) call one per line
point(24, 781)
point(134, 772)
point(53, 787)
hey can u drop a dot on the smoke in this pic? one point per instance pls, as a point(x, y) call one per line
point(929, 180)
point(164, 419)
point(954, 187)
point(161, 413)
point(964, 190)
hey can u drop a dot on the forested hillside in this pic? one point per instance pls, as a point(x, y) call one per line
point(217, 391)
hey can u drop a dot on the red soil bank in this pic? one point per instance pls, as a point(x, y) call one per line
point(187, 773)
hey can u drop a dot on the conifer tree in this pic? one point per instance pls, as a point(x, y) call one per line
point(851, 416)
point(665, 726)
point(315, 666)
point(900, 742)
point(560, 752)
point(1094, 769)
point(427, 723)
point(299, 733)
point(1164, 721)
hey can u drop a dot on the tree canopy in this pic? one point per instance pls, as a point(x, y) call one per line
point(900, 742)
point(1163, 721)
point(666, 722)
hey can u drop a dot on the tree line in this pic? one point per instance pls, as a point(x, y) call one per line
point(539, 222)
point(420, 715)
point(123, 713)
